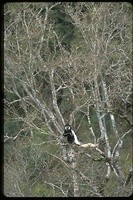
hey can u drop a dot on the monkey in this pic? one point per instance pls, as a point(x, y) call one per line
point(71, 135)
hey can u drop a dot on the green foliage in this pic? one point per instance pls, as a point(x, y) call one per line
point(62, 25)
point(42, 190)
point(11, 127)
point(94, 120)
point(41, 135)
point(128, 7)
point(35, 162)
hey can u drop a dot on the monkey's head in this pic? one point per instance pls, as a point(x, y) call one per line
point(67, 130)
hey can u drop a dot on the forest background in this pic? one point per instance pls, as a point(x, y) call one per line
point(67, 63)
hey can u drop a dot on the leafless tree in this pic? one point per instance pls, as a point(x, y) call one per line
point(94, 75)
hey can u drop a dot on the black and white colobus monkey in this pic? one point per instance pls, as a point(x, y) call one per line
point(71, 135)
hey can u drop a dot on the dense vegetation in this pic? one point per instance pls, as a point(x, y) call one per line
point(67, 63)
